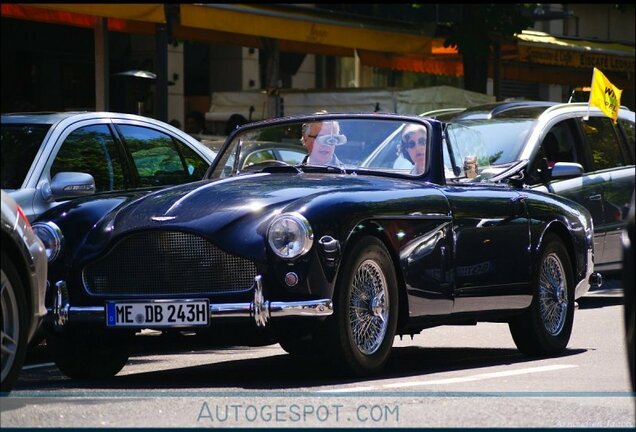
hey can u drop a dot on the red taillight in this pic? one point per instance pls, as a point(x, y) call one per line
point(23, 216)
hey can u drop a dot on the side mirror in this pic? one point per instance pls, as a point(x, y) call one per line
point(565, 170)
point(67, 185)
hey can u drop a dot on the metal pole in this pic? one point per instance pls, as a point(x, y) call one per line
point(102, 84)
point(161, 84)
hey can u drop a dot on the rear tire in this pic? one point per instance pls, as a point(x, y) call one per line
point(14, 321)
point(545, 327)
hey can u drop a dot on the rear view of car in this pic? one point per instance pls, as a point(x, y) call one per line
point(24, 265)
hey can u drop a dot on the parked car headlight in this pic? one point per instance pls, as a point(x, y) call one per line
point(51, 236)
point(290, 235)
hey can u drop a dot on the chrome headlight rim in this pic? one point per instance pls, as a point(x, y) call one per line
point(55, 241)
point(305, 228)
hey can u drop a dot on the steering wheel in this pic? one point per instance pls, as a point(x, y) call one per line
point(264, 164)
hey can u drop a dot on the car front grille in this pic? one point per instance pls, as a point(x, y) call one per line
point(158, 262)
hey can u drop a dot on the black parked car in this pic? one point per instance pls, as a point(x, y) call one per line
point(333, 259)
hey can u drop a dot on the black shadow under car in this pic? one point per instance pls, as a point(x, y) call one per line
point(331, 256)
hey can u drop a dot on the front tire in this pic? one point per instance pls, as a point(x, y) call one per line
point(14, 329)
point(545, 327)
point(89, 354)
point(364, 322)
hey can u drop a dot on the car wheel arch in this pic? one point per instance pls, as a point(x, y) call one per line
point(374, 229)
point(560, 230)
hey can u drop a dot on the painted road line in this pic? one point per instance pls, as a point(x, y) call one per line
point(479, 377)
point(39, 365)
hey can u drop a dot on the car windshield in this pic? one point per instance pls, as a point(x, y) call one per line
point(19, 143)
point(378, 144)
point(482, 147)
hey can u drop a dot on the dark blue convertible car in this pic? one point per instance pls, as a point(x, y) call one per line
point(333, 256)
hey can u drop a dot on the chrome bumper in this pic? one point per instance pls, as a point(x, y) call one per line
point(591, 278)
point(260, 310)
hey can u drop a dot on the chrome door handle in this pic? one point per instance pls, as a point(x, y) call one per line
point(595, 197)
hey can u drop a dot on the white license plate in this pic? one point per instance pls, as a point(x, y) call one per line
point(163, 313)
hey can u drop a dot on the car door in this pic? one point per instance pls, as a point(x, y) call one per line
point(492, 253)
point(89, 147)
point(609, 160)
point(587, 190)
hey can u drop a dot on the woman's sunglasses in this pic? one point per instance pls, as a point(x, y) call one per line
point(412, 143)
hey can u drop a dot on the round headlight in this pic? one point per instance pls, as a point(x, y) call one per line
point(51, 236)
point(290, 235)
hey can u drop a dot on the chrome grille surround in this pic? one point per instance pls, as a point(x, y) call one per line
point(167, 263)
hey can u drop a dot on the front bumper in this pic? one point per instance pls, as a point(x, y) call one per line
point(260, 310)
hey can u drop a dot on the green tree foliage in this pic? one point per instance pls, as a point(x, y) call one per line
point(474, 34)
point(472, 28)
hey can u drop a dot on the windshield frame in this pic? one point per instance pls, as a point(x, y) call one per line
point(296, 120)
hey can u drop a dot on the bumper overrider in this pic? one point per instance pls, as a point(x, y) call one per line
point(591, 279)
point(260, 309)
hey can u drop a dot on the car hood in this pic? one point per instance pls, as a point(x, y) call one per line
point(219, 202)
point(234, 211)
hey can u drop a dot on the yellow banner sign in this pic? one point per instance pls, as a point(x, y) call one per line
point(561, 57)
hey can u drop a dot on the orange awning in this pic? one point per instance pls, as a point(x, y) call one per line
point(66, 14)
point(302, 31)
point(145, 12)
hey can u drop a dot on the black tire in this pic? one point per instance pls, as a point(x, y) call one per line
point(15, 318)
point(300, 347)
point(88, 353)
point(367, 267)
point(544, 329)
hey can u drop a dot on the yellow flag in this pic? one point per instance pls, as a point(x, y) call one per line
point(604, 95)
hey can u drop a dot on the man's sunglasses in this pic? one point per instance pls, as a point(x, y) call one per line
point(412, 143)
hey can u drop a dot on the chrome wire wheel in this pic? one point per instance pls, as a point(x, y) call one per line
point(553, 294)
point(10, 332)
point(369, 307)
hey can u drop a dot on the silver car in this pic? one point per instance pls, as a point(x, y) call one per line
point(24, 266)
point(48, 158)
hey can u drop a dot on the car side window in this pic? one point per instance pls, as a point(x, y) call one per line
point(602, 137)
point(91, 150)
point(195, 164)
point(557, 145)
point(155, 156)
point(628, 130)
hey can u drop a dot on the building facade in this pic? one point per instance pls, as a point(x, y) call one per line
point(51, 57)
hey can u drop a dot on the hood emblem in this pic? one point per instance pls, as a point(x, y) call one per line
point(162, 218)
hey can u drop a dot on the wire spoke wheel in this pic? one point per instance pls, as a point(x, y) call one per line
point(553, 294)
point(544, 328)
point(360, 333)
point(368, 308)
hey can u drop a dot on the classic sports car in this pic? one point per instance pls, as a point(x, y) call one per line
point(329, 257)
